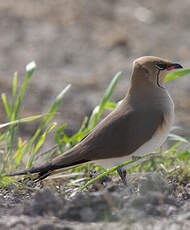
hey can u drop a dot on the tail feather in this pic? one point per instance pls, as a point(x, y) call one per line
point(71, 158)
point(46, 170)
point(42, 168)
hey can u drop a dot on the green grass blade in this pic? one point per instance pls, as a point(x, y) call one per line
point(184, 156)
point(79, 136)
point(13, 100)
point(20, 147)
point(83, 125)
point(93, 118)
point(57, 103)
point(30, 68)
point(3, 137)
point(23, 120)
point(31, 158)
point(110, 90)
point(43, 137)
point(5, 103)
point(14, 87)
point(12, 117)
point(97, 112)
point(39, 144)
point(175, 75)
point(60, 137)
point(175, 137)
point(110, 105)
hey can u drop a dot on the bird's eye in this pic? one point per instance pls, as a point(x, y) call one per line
point(161, 66)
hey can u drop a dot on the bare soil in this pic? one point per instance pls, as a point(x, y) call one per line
point(149, 202)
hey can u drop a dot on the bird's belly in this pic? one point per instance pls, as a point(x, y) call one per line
point(153, 144)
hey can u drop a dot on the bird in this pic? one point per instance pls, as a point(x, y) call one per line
point(139, 125)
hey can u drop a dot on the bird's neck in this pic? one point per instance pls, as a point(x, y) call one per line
point(139, 83)
point(142, 87)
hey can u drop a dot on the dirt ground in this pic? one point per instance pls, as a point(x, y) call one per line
point(149, 202)
point(86, 43)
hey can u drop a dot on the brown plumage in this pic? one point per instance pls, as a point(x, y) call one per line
point(139, 124)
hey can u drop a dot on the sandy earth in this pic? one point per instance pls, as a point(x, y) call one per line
point(85, 43)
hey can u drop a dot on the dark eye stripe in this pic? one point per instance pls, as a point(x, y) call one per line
point(161, 66)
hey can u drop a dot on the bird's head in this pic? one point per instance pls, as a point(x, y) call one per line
point(153, 69)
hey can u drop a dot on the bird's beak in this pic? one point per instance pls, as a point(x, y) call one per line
point(175, 66)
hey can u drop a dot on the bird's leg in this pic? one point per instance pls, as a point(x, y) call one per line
point(122, 173)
